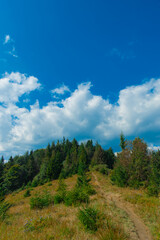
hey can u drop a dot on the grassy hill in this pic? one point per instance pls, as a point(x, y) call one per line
point(120, 213)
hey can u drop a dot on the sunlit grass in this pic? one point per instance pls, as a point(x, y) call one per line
point(61, 222)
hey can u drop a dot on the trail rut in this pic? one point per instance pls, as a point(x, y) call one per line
point(141, 229)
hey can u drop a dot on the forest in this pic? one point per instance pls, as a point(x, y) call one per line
point(135, 166)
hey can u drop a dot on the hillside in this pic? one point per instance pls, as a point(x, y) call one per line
point(124, 214)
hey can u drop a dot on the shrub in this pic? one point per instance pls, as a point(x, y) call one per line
point(83, 185)
point(29, 184)
point(102, 168)
point(49, 184)
point(61, 192)
point(27, 193)
point(35, 182)
point(2, 195)
point(41, 201)
point(76, 196)
point(90, 218)
point(4, 206)
point(58, 198)
point(119, 176)
point(152, 190)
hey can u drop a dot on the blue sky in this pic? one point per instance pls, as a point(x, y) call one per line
point(85, 69)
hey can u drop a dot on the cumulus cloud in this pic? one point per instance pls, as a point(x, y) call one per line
point(60, 91)
point(14, 85)
point(82, 115)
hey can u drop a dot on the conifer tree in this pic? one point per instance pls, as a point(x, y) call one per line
point(98, 156)
point(82, 159)
point(122, 141)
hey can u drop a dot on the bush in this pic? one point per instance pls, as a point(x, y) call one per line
point(61, 186)
point(119, 176)
point(41, 201)
point(61, 192)
point(49, 184)
point(58, 198)
point(152, 190)
point(83, 185)
point(4, 206)
point(102, 168)
point(76, 196)
point(2, 195)
point(27, 193)
point(35, 182)
point(90, 218)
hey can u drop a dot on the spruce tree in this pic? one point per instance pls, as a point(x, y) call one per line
point(122, 141)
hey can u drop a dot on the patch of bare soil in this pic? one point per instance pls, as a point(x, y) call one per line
point(141, 230)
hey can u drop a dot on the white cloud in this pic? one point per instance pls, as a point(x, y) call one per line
point(13, 52)
point(14, 85)
point(82, 115)
point(7, 39)
point(60, 91)
point(154, 148)
point(11, 46)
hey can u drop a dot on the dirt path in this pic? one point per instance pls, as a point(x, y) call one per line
point(141, 230)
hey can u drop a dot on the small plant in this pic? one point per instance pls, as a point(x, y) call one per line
point(152, 190)
point(112, 231)
point(58, 198)
point(27, 193)
point(2, 195)
point(61, 185)
point(4, 206)
point(84, 185)
point(61, 192)
point(37, 224)
point(102, 168)
point(41, 201)
point(90, 218)
point(29, 184)
point(76, 196)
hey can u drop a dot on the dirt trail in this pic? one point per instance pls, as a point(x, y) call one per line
point(141, 230)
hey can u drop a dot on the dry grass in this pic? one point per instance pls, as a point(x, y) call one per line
point(61, 222)
point(148, 208)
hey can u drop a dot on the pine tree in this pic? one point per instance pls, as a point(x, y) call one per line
point(99, 156)
point(1, 169)
point(90, 150)
point(74, 156)
point(122, 141)
point(82, 160)
point(109, 158)
point(31, 167)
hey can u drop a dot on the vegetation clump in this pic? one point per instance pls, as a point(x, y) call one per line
point(41, 200)
point(137, 167)
point(81, 191)
point(4, 206)
point(27, 193)
point(37, 224)
point(90, 218)
point(61, 192)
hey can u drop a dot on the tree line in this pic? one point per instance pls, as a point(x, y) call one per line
point(134, 166)
point(62, 159)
